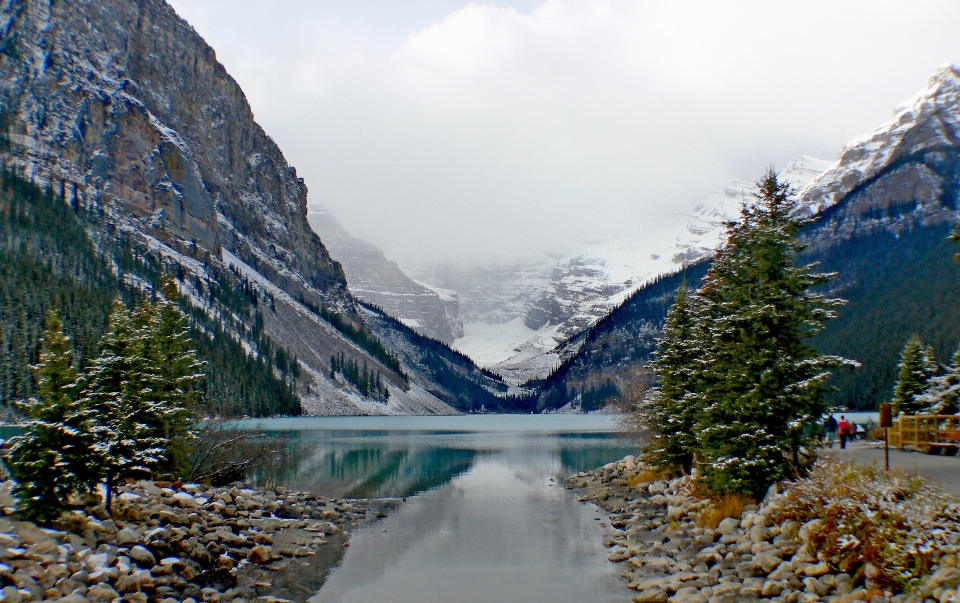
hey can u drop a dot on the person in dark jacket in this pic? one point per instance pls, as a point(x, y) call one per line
point(831, 427)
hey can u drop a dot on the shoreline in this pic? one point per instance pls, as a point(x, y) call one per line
point(183, 542)
point(668, 558)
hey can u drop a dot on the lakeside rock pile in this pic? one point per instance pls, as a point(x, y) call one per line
point(169, 543)
point(669, 558)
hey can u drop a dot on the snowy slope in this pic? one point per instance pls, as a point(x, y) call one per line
point(927, 122)
point(525, 312)
point(375, 279)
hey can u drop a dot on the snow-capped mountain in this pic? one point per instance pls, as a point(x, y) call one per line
point(881, 217)
point(376, 280)
point(123, 111)
point(516, 316)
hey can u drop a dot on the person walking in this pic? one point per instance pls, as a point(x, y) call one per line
point(831, 427)
point(844, 427)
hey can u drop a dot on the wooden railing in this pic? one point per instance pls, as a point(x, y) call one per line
point(925, 432)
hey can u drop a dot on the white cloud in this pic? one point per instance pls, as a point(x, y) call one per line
point(493, 131)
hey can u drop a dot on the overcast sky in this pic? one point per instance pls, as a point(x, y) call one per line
point(443, 131)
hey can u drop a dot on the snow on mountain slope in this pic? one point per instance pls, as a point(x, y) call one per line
point(584, 286)
point(376, 280)
point(927, 122)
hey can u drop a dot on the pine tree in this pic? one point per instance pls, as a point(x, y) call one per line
point(917, 367)
point(51, 459)
point(669, 411)
point(123, 442)
point(942, 393)
point(170, 377)
point(763, 386)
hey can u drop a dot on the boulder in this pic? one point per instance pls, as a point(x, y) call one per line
point(102, 593)
point(127, 536)
point(260, 554)
point(142, 556)
point(728, 526)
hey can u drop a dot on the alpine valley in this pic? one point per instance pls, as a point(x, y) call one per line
point(130, 155)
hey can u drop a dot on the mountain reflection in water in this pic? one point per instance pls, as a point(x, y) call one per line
point(422, 453)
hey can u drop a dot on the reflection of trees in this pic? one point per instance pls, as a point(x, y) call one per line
point(359, 468)
point(412, 472)
point(583, 458)
point(381, 464)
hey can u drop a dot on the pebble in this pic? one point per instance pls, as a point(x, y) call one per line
point(167, 543)
point(668, 558)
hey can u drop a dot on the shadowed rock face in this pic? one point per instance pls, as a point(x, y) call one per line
point(376, 280)
point(121, 103)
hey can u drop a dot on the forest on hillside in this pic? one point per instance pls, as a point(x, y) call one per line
point(58, 253)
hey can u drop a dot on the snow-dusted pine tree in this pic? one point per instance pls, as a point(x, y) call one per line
point(51, 459)
point(942, 396)
point(764, 392)
point(917, 367)
point(170, 378)
point(125, 448)
point(668, 412)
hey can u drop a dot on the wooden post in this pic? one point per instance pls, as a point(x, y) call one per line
point(886, 421)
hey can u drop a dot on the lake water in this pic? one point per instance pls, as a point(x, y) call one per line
point(486, 517)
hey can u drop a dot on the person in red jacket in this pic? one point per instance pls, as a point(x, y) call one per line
point(844, 428)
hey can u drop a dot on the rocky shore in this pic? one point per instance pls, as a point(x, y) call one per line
point(169, 543)
point(668, 558)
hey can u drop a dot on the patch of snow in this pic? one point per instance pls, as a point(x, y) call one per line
point(488, 344)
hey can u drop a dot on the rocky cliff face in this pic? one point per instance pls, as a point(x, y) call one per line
point(379, 281)
point(121, 108)
point(124, 105)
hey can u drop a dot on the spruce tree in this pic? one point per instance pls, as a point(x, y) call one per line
point(170, 377)
point(123, 442)
point(942, 393)
point(763, 385)
point(51, 459)
point(917, 367)
point(669, 411)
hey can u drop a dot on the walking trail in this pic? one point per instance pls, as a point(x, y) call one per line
point(942, 470)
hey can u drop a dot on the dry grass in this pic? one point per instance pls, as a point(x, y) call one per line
point(891, 520)
point(721, 507)
point(650, 475)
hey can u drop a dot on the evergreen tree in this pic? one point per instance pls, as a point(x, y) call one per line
point(169, 382)
point(669, 411)
point(123, 442)
point(917, 367)
point(942, 396)
point(51, 459)
point(763, 385)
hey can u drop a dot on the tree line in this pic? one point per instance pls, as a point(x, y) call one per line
point(741, 393)
point(128, 413)
point(59, 251)
point(369, 383)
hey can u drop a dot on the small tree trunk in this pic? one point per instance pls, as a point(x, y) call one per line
point(108, 484)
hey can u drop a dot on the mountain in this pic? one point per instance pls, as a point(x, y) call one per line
point(379, 281)
point(521, 320)
point(120, 111)
point(880, 218)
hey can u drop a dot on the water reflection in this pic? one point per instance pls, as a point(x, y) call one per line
point(351, 462)
point(506, 530)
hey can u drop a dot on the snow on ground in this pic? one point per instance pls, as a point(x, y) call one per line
point(488, 344)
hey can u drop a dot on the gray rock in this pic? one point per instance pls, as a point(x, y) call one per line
point(728, 526)
point(127, 536)
point(142, 556)
point(102, 593)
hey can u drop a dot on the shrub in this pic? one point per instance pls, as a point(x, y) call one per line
point(721, 507)
point(893, 521)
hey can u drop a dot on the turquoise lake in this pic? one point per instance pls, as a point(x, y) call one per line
point(485, 517)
